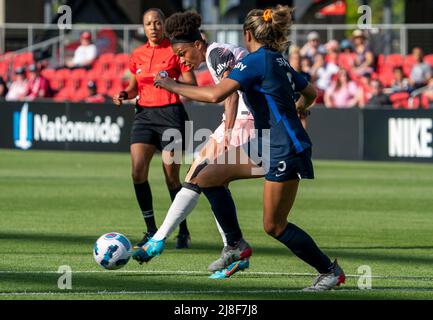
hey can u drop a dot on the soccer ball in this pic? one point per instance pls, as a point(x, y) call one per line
point(112, 251)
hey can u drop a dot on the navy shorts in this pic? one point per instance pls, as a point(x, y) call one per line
point(151, 123)
point(294, 167)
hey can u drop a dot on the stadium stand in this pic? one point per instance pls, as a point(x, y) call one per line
point(110, 74)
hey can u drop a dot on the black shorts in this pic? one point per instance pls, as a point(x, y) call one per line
point(150, 124)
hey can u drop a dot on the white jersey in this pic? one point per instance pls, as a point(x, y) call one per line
point(221, 57)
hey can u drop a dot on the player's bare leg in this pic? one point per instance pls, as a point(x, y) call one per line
point(278, 200)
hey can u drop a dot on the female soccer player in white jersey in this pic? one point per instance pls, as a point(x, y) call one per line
point(269, 84)
point(236, 129)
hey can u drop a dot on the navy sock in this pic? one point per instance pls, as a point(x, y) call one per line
point(304, 247)
point(224, 209)
point(144, 198)
point(183, 228)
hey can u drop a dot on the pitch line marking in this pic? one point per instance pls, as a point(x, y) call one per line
point(189, 292)
point(204, 273)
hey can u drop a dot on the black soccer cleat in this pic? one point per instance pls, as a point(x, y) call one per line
point(147, 236)
point(183, 241)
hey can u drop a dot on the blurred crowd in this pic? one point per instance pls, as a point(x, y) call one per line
point(35, 81)
point(346, 74)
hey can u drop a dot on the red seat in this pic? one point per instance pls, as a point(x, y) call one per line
point(122, 62)
point(400, 100)
point(429, 59)
point(386, 77)
point(425, 102)
point(79, 78)
point(394, 60)
point(408, 63)
point(61, 79)
point(106, 61)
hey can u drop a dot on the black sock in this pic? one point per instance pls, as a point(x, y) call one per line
point(183, 228)
point(224, 209)
point(144, 198)
point(304, 247)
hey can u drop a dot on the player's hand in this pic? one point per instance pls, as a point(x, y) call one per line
point(118, 98)
point(227, 139)
point(303, 113)
point(164, 83)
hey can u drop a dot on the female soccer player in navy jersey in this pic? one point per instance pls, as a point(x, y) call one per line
point(269, 85)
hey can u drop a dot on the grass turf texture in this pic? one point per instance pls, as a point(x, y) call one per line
point(54, 205)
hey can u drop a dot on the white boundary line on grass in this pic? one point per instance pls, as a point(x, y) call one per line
point(191, 292)
point(204, 273)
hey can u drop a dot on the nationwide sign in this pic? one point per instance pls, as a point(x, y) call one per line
point(64, 126)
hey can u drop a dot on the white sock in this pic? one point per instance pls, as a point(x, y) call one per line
point(223, 235)
point(182, 206)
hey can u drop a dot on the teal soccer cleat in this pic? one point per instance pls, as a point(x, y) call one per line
point(152, 248)
point(231, 269)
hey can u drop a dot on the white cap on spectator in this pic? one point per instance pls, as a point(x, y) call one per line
point(358, 33)
point(313, 35)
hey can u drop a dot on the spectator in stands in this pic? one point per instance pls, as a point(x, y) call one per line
point(346, 46)
point(364, 60)
point(295, 62)
point(306, 65)
point(322, 72)
point(19, 88)
point(400, 82)
point(85, 54)
point(94, 96)
point(332, 51)
point(38, 86)
point(343, 93)
point(421, 71)
point(365, 89)
point(378, 97)
point(313, 46)
point(3, 88)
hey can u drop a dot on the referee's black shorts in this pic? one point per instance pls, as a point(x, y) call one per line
point(151, 123)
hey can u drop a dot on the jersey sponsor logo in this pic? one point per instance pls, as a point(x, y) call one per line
point(221, 59)
point(221, 67)
point(240, 66)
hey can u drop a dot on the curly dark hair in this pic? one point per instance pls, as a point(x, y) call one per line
point(182, 24)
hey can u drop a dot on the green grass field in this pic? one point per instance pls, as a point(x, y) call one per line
point(54, 205)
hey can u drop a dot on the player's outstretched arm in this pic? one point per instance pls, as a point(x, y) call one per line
point(211, 94)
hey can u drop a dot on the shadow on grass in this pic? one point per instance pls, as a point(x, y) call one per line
point(365, 253)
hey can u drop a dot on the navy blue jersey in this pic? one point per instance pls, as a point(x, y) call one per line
point(270, 84)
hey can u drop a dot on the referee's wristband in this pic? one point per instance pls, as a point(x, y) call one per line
point(123, 95)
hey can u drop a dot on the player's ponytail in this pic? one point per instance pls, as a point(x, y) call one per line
point(271, 26)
